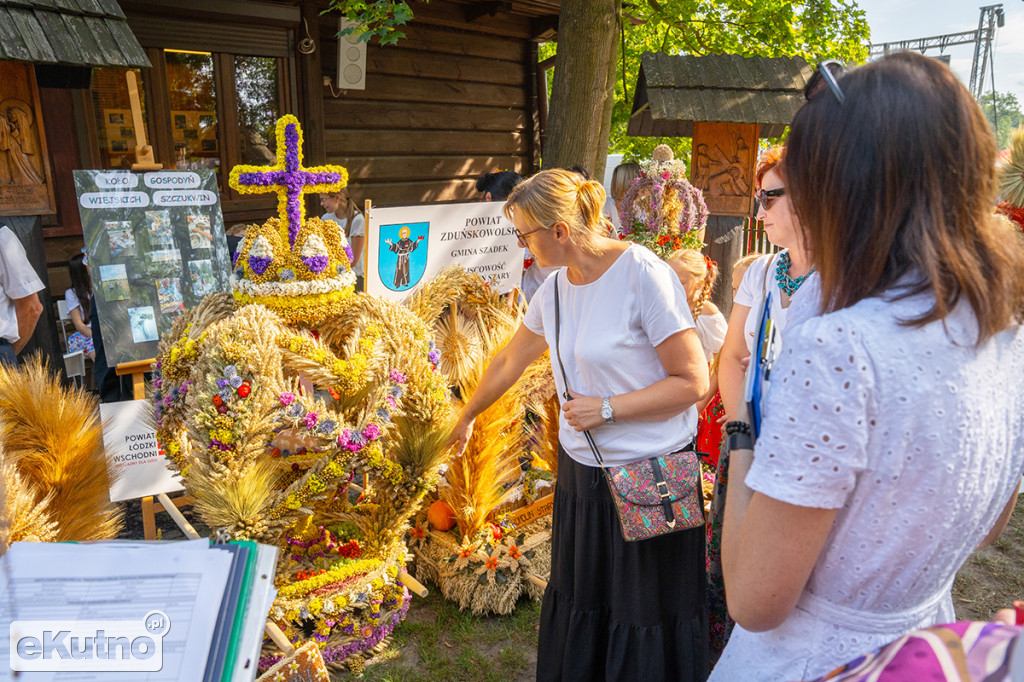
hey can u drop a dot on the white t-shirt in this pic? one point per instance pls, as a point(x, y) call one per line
point(915, 435)
point(71, 302)
point(610, 329)
point(17, 280)
point(752, 291)
point(711, 332)
point(358, 230)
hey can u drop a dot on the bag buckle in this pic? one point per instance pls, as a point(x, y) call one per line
point(663, 489)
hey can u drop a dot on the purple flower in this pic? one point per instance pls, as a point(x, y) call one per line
point(327, 426)
point(184, 389)
point(230, 371)
point(286, 275)
point(383, 415)
point(434, 357)
point(295, 410)
point(259, 264)
point(396, 377)
point(395, 392)
point(371, 431)
point(286, 398)
point(158, 382)
point(351, 258)
point(235, 381)
point(221, 383)
point(310, 420)
point(315, 263)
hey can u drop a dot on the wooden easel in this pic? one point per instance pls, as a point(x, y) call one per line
point(144, 160)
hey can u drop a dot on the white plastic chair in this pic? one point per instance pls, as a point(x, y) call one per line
point(74, 363)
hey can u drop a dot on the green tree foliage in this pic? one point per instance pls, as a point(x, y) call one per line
point(374, 18)
point(813, 29)
point(1007, 110)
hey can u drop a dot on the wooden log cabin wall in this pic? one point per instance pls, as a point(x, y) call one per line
point(459, 96)
point(456, 98)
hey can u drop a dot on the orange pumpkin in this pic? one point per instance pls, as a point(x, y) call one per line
point(441, 515)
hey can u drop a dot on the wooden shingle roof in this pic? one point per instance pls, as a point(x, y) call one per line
point(673, 91)
point(69, 32)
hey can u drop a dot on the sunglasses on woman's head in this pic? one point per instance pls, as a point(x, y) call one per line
point(826, 74)
point(766, 197)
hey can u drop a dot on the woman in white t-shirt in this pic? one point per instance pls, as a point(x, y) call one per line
point(892, 443)
point(635, 368)
point(78, 300)
point(343, 211)
point(779, 275)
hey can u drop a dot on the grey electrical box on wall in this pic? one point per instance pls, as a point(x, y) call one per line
point(351, 60)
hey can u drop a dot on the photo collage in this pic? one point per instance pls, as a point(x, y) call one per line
point(159, 255)
point(151, 263)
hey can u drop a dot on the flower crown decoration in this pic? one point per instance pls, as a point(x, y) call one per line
point(1011, 181)
point(299, 267)
point(661, 209)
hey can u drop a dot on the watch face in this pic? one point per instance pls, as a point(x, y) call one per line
point(606, 410)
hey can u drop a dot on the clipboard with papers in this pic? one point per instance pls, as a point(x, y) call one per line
point(762, 357)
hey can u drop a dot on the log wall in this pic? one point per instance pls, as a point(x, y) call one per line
point(452, 100)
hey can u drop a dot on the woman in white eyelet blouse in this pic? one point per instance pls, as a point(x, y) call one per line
point(893, 435)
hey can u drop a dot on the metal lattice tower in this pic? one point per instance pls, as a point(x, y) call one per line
point(991, 18)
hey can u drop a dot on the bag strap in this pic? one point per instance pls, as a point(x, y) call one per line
point(565, 380)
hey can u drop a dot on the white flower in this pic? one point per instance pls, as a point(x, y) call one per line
point(261, 248)
point(314, 246)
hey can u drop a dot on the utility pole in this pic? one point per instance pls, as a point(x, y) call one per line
point(990, 19)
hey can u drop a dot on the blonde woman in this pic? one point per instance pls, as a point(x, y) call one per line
point(613, 610)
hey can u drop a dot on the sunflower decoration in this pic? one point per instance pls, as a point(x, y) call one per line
point(661, 209)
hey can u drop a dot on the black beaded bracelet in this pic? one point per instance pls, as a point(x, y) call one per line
point(737, 427)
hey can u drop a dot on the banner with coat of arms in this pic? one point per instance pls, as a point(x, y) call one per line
point(408, 246)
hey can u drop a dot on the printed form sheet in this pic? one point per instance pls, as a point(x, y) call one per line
point(117, 582)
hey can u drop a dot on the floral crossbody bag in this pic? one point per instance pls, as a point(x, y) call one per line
point(654, 496)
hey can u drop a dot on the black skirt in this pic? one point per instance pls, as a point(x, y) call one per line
point(617, 610)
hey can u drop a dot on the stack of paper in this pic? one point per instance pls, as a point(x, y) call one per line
point(135, 610)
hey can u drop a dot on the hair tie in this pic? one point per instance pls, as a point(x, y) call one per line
point(710, 263)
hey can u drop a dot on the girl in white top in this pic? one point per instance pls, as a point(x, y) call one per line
point(893, 438)
point(78, 300)
point(343, 211)
point(612, 609)
point(780, 275)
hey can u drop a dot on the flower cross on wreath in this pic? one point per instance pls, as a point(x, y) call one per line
point(288, 178)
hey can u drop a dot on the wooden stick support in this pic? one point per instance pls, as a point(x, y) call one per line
point(367, 205)
point(144, 159)
point(138, 371)
point(415, 586)
point(165, 503)
point(278, 638)
point(537, 580)
point(182, 522)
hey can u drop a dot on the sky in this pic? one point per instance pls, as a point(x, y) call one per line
point(892, 20)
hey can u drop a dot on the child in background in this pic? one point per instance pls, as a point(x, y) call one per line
point(78, 300)
point(697, 273)
point(740, 268)
point(343, 211)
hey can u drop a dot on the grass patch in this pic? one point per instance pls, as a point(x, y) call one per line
point(437, 642)
point(993, 577)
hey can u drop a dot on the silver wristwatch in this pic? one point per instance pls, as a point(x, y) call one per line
point(606, 410)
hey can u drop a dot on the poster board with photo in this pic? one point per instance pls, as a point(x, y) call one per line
point(156, 247)
point(26, 182)
point(408, 246)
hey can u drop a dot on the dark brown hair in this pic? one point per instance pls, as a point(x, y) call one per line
point(897, 186)
point(81, 282)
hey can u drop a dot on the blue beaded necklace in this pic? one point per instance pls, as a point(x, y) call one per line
point(786, 283)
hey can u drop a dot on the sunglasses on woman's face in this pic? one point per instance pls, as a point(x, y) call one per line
point(766, 197)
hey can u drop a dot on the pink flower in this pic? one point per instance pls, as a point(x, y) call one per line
point(666, 175)
point(287, 399)
point(310, 420)
point(371, 432)
point(397, 377)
